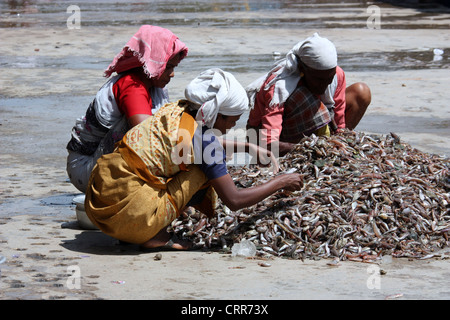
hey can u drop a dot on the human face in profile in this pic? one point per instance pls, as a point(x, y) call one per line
point(224, 123)
point(168, 73)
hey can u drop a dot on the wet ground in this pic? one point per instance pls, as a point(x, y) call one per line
point(49, 74)
point(226, 13)
point(239, 14)
point(420, 58)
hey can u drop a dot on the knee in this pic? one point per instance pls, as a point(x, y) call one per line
point(363, 94)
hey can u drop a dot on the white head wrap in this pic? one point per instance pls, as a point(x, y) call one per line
point(316, 52)
point(216, 91)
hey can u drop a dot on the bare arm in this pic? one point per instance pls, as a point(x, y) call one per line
point(236, 199)
point(263, 156)
point(136, 119)
point(283, 147)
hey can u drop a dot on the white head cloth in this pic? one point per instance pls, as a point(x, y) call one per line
point(316, 52)
point(216, 91)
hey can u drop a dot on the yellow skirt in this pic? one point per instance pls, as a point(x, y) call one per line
point(125, 207)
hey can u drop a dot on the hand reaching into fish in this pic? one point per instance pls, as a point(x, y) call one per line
point(236, 199)
point(291, 181)
point(263, 156)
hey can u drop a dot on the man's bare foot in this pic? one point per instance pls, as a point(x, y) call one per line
point(164, 240)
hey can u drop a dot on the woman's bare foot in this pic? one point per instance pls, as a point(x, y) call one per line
point(165, 240)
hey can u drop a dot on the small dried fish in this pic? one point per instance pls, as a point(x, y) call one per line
point(364, 196)
point(264, 264)
point(394, 296)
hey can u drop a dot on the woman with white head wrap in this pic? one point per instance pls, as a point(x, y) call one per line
point(215, 91)
point(302, 94)
point(138, 190)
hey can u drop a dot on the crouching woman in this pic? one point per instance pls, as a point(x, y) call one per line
point(135, 192)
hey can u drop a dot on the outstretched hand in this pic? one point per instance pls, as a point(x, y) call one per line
point(291, 181)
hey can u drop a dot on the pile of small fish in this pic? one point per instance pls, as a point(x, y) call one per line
point(364, 196)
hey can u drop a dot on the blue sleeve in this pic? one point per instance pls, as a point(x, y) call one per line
point(211, 157)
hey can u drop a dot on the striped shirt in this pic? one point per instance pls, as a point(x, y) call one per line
point(303, 114)
point(282, 119)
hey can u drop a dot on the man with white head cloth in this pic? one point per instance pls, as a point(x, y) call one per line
point(135, 192)
point(304, 93)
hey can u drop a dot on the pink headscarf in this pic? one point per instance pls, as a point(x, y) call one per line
point(151, 47)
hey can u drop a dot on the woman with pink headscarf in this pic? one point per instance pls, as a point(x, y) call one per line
point(143, 68)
